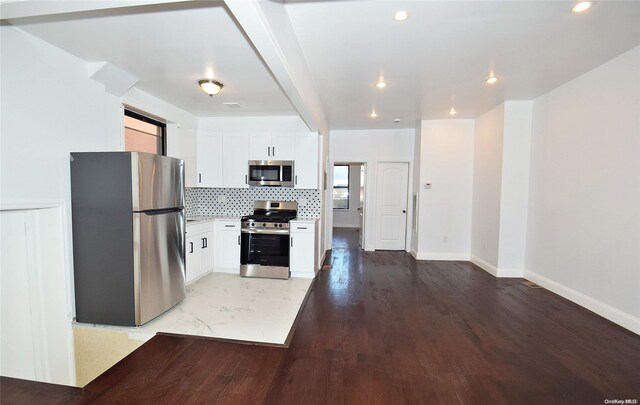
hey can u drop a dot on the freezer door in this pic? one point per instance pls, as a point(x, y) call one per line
point(157, 182)
point(159, 262)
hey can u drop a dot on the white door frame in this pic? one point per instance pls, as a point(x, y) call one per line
point(364, 207)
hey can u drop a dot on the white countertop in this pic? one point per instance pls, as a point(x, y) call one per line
point(205, 218)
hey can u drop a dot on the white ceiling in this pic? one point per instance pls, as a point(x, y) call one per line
point(170, 47)
point(438, 58)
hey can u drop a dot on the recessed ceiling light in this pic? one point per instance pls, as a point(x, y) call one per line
point(381, 84)
point(582, 6)
point(452, 111)
point(232, 105)
point(492, 79)
point(396, 120)
point(400, 15)
point(373, 114)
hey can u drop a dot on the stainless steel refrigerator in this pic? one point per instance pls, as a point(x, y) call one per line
point(128, 236)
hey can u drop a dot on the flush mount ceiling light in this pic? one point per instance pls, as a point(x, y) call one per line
point(492, 79)
point(582, 6)
point(452, 111)
point(381, 84)
point(210, 86)
point(397, 120)
point(373, 114)
point(400, 15)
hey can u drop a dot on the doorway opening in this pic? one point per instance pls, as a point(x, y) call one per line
point(349, 197)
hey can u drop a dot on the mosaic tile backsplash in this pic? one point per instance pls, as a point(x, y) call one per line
point(239, 201)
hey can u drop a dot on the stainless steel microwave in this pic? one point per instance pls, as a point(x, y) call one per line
point(271, 173)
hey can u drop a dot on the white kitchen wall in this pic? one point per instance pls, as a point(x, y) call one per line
point(371, 147)
point(253, 124)
point(50, 107)
point(583, 234)
point(446, 161)
point(350, 218)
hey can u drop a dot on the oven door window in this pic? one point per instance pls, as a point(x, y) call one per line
point(264, 173)
point(265, 249)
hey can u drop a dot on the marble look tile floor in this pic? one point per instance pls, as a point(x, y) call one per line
point(227, 306)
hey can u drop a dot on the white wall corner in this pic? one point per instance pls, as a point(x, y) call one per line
point(621, 318)
point(510, 273)
point(486, 266)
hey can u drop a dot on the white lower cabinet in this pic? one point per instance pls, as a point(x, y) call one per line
point(302, 252)
point(227, 245)
point(199, 250)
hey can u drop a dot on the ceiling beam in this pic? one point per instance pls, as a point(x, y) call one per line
point(36, 8)
point(267, 25)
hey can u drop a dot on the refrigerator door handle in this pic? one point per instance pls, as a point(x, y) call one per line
point(162, 211)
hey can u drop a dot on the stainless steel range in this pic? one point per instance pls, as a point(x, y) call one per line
point(264, 247)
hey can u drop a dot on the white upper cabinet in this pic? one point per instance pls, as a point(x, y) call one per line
point(209, 159)
point(271, 146)
point(282, 146)
point(235, 160)
point(187, 150)
point(305, 168)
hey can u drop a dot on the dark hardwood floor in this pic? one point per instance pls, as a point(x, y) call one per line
point(381, 328)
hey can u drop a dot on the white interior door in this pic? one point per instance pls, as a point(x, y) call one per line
point(391, 205)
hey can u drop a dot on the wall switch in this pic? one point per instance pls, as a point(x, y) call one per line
point(222, 199)
point(427, 186)
point(302, 202)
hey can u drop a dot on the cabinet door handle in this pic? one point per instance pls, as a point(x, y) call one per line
point(301, 227)
point(296, 179)
point(268, 150)
point(238, 239)
point(199, 177)
point(245, 179)
point(273, 151)
point(229, 226)
point(291, 239)
point(190, 247)
point(202, 243)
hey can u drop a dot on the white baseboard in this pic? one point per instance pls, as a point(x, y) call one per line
point(414, 254)
point(440, 256)
point(499, 272)
point(606, 311)
point(486, 266)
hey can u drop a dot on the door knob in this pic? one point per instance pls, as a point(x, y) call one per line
point(404, 211)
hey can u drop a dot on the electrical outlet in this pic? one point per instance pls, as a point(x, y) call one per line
point(445, 239)
point(427, 186)
point(485, 245)
point(222, 199)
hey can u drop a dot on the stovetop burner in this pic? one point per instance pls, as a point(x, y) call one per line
point(273, 211)
point(269, 218)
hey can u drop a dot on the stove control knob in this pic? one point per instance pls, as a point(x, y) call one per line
point(275, 225)
point(280, 225)
point(264, 224)
point(252, 224)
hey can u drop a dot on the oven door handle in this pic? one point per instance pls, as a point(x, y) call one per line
point(266, 231)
